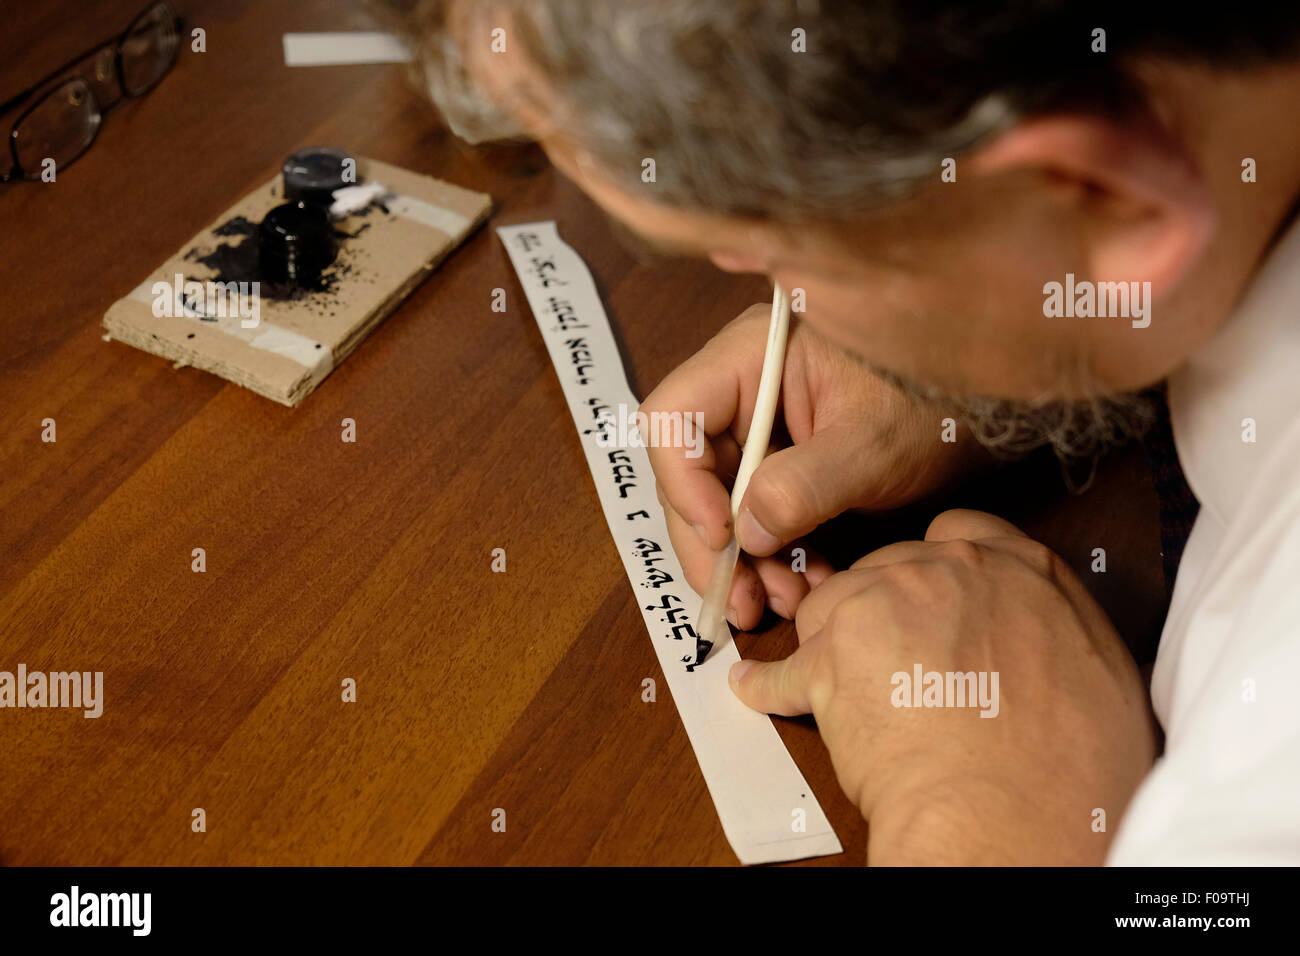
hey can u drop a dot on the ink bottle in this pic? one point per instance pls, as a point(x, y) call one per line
point(295, 244)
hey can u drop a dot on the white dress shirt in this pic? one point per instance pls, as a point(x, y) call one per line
point(1226, 685)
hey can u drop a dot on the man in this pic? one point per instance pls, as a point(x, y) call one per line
point(1026, 214)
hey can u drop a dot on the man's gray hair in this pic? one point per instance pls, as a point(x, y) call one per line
point(714, 92)
point(803, 109)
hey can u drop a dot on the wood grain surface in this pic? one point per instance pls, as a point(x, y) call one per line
point(328, 560)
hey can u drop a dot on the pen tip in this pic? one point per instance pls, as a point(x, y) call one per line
point(702, 648)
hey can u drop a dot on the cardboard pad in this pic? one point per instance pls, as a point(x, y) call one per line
point(282, 340)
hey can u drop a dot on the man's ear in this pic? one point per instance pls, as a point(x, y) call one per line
point(1147, 210)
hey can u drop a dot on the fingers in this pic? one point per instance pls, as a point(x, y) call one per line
point(705, 525)
point(829, 589)
point(785, 588)
point(790, 574)
point(995, 534)
point(819, 569)
point(776, 687)
point(957, 524)
point(758, 582)
point(798, 488)
point(821, 602)
point(767, 582)
point(963, 523)
point(747, 597)
point(1038, 557)
point(692, 488)
point(893, 554)
point(707, 392)
point(697, 555)
point(780, 586)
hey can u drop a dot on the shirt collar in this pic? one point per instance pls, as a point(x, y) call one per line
point(1248, 372)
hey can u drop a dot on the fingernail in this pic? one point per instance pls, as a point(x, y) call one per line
point(731, 618)
point(779, 608)
point(738, 671)
point(703, 532)
point(754, 538)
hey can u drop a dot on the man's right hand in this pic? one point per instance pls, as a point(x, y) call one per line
point(858, 443)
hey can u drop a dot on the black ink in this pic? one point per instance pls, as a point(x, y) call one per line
point(702, 648)
point(237, 261)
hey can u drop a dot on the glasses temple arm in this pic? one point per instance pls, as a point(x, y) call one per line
point(19, 99)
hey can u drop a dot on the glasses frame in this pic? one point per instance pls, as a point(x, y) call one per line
point(48, 86)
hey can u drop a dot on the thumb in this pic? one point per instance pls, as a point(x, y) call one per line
point(775, 687)
point(965, 524)
point(798, 488)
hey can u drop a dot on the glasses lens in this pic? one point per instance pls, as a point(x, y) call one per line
point(101, 74)
point(149, 48)
point(59, 127)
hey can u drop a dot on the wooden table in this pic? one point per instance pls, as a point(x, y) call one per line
point(371, 561)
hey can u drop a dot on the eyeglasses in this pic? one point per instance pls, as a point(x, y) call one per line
point(68, 106)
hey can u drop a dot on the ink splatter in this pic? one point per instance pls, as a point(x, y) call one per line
point(238, 226)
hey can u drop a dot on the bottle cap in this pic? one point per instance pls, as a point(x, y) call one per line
point(311, 175)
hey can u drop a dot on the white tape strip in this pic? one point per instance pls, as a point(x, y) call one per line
point(328, 49)
point(308, 353)
point(352, 199)
point(767, 809)
point(426, 213)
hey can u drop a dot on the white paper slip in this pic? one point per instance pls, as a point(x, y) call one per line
point(767, 809)
point(329, 49)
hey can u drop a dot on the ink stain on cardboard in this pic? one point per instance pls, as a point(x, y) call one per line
point(237, 261)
